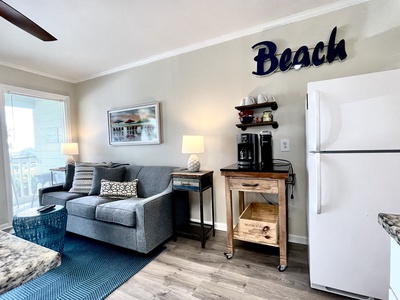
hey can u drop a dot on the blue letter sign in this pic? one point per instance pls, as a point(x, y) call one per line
point(268, 63)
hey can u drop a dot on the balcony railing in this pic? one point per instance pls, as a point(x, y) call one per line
point(26, 180)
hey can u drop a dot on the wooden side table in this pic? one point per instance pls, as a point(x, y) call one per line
point(196, 182)
point(253, 179)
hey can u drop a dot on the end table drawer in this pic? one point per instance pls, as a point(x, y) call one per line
point(258, 185)
point(186, 184)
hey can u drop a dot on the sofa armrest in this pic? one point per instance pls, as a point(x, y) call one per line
point(154, 220)
point(49, 189)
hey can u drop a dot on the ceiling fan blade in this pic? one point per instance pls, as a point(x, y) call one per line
point(15, 17)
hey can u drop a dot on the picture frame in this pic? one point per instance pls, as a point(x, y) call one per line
point(134, 125)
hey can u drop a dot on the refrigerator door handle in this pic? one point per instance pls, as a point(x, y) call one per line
point(317, 121)
point(318, 183)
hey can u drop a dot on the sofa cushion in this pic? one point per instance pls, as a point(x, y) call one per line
point(121, 212)
point(85, 207)
point(83, 176)
point(60, 197)
point(111, 174)
point(118, 190)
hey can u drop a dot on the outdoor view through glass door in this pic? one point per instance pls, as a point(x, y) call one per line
point(35, 130)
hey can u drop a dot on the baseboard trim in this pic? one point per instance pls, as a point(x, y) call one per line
point(5, 227)
point(298, 239)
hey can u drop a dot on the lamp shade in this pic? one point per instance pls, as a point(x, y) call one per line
point(192, 144)
point(69, 148)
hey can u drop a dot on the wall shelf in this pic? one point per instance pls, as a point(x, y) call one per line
point(244, 126)
point(272, 105)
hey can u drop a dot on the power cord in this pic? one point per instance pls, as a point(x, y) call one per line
point(291, 180)
point(267, 200)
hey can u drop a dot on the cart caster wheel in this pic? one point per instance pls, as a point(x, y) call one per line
point(282, 268)
point(228, 255)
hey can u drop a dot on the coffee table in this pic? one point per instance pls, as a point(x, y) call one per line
point(22, 261)
point(43, 228)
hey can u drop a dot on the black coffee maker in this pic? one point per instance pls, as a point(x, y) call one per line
point(266, 150)
point(247, 144)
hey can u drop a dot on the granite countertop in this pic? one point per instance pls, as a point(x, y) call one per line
point(21, 261)
point(391, 223)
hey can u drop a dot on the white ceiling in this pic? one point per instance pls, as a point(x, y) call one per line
point(97, 37)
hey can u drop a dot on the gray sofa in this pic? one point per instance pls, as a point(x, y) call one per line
point(140, 224)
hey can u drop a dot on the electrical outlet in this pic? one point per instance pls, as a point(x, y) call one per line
point(285, 146)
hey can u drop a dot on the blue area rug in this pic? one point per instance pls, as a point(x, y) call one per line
point(89, 270)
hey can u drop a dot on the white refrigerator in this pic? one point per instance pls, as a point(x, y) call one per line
point(353, 165)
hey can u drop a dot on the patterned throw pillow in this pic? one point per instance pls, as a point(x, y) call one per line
point(119, 190)
point(83, 176)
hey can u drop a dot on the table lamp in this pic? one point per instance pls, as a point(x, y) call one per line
point(193, 144)
point(69, 149)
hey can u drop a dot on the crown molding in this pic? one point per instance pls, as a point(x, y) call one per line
point(36, 72)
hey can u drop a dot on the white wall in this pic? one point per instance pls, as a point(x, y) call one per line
point(21, 79)
point(198, 92)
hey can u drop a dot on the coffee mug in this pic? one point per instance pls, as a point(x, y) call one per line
point(262, 99)
point(249, 100)
point(270, 98)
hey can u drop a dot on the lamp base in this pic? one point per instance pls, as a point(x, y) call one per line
point(193, 163)
point(70, 160)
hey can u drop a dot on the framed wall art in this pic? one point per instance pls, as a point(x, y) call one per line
point(134, 125)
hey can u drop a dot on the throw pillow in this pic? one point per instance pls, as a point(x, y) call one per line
point(69, 176)
point(120, 190)
point(111, 174)
point(83, 176)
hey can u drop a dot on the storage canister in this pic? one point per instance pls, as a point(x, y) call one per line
point(267, 116)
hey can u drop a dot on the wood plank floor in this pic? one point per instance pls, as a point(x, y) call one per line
point(186, 271)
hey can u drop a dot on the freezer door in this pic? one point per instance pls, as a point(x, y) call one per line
point(355, 113)
point(348, 249)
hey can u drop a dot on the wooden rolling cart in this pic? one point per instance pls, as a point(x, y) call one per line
point(253, 179)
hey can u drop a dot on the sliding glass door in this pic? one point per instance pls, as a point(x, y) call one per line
point(36, 127)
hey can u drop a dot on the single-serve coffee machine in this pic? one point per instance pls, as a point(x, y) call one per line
point(247, 144)
point(266, 150)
